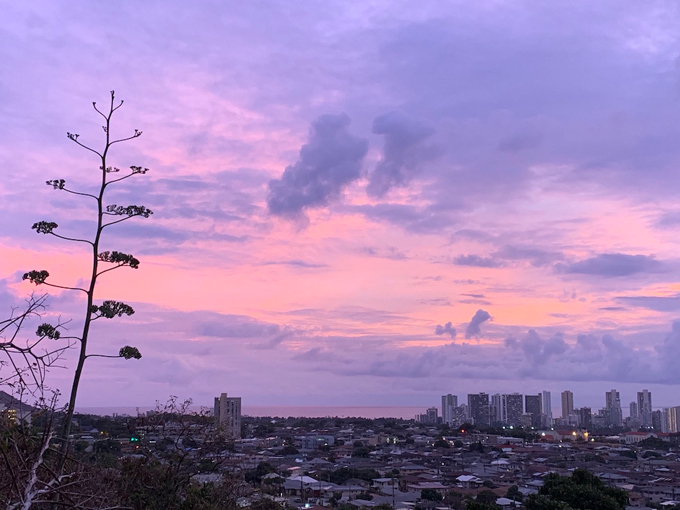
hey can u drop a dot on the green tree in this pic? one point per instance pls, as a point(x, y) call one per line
point(106, 216)
point(430, 495)
point(581, 491)
point(514, 493)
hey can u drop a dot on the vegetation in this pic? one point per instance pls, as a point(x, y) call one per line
point(581, 491)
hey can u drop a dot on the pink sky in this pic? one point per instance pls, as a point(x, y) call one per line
point(333, 181)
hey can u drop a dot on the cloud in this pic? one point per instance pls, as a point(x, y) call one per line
point(328, 162)
point(476, 261)
point(612, 265)
point(474, 327)
point(292, 263)
point(656, 303)
point(445, 329)
point(537, 256)
point(402, 153)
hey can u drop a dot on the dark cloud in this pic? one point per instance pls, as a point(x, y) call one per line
point(473, 329)
point(402, 153)
point(389, 252)
point(445, 329)
point(292, 263)
point(612, 265)
point(237, 326)
point(328, 162)
point(657, 303)
point(537, 256)
point(477, 261)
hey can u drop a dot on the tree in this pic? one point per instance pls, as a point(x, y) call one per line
point(514, 493)
point(430, 495)
point(581, 491)
point(102, 262)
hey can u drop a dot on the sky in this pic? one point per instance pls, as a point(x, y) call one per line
point(356, 203)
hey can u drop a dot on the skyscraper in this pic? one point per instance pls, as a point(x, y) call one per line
point(644, 407)
point(511, 409)
point(228, 415)
point(613, 406)
point(547, 408)
point(449, 403)
point(479, 408)
point(567, 404)
point(532, 406)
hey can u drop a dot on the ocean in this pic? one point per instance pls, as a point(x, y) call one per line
point(405, 412)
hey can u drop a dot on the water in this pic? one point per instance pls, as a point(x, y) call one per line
point(405, 412)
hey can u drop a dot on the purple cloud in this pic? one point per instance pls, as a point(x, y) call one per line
point(403, 151)
point(445, 329)
point(473, 328)
point(612, 265)
point(328, 162)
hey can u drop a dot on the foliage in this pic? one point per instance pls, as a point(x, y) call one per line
point(442, 443)
point(255, 476)
point(486, 496)
point(340, 476)
point(365, 496)
point(514, 493)
point(430, 495)
point(581, 491)
point(289, 449)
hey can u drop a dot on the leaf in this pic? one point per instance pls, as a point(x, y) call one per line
point(56, 183)
point(129, 352)
point(44, 227)
point(111, 309)
point(36, 276)
point(130, 210)
point(116, 257)
point(49, 331)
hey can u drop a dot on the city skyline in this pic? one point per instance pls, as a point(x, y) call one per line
point(357, 203)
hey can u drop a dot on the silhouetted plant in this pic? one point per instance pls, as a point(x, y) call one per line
point(102, 262)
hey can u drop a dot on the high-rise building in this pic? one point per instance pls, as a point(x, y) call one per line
point(644, 407)
point(449, 403)
point(585, 418)
point(657, 418)
point(497, 407)
point(228, 415)
point(613, 405)
point(547, 419)
point(567, 404)
point(511, 409)
point(673, 419)
point(532, 406)
point(479, 408)
point(634, 414)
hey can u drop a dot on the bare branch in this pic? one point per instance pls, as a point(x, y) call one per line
point(74, 137)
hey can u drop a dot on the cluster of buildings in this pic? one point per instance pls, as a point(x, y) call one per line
point(515, 410)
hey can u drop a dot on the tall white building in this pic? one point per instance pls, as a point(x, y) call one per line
point(613, 405)
point(449, 404)
point(644, 407)
point(228, 415)
point(567, 404)
point(546, 405)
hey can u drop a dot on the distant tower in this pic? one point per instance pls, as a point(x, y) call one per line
point(644, 407)
point(613, 405)
point(449, 403)
point(228, 415)
point(479, 408)
point(547, 408)
point(567, 404)
point(532, 406)
point(511, 409)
